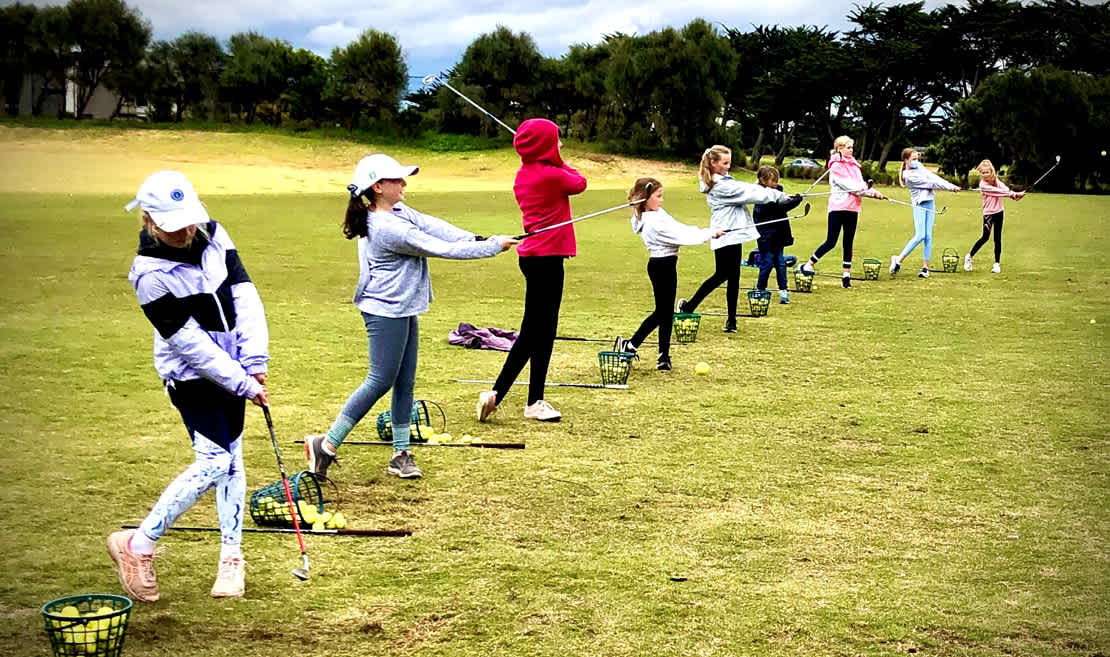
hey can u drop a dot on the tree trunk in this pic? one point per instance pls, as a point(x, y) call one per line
point(787, 140)
point(756, 150)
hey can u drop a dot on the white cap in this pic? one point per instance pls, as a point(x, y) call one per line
point(170, 200)
point(373, 168)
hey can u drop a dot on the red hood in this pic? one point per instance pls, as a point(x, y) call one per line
point(537, 140)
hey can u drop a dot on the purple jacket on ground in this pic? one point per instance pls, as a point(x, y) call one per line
point(472, 337)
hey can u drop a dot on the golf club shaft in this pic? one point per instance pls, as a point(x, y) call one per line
point(572, 221)
point(285, 483)
point(576, 339)
point(282, 530)
point(819, 179)
point(476, 105)
point(602, 386)
point(911, 205)
point(775, 221)
point(1038, 180)
point(424, 444)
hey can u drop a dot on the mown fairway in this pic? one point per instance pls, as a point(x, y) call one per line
point(911, 466)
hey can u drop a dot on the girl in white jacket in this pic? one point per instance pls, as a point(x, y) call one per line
point(662, 235)
point(728, 199)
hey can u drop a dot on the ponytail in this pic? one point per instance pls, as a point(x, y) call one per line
point(642, 189)
point(906, 153)
point(355, 221)
point(711, 154)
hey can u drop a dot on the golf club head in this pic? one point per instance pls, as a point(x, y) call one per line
point(428, 79)
point(870, 183)
point(1057, 159)
point(302, 572)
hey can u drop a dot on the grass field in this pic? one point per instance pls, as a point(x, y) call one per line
point(909, 467)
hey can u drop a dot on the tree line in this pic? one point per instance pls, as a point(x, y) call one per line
point(1016, 82)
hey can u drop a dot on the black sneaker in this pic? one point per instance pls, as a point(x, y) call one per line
point(663, 364)
point(846, 282)
point(403, 466)
point(680, 307)
point(924, 273)
point(730, 326)
point(624, 346)
point(318, 459)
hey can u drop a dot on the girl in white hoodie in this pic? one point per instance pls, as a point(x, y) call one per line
point(662, 235)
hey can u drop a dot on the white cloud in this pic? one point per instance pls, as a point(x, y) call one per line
point(332, 35)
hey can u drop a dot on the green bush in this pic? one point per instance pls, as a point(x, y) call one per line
point(451, 143)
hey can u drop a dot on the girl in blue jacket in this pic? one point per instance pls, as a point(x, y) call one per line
point(394, 289)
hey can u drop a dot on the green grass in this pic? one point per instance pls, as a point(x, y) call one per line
point(909, 466)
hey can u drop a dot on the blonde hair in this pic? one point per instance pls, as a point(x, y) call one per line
point(767, 175)
point(643, 188)
point(842, 141)
point(906, 154)
point(156, 233)
point(989, 165)
point(712, 154)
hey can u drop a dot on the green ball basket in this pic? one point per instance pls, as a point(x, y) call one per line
point(950, 260)
point(686, 327)
point(615, 366)
point(421, 417)
point(100, 635)
point(871, 268)
point(803, 282)
point(268, 505)
point(759, 301)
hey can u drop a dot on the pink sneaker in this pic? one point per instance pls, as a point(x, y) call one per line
point(136, 571)
point(229, 578)
point(487, 405)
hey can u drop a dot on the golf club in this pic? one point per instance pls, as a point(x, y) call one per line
point(302, 572)
point(1038, 180)
point(604, 386)
point(911, 205)
point(647, 190)
point(282, 530)
point(804, 212)
point(429, 79)
point(425, 444)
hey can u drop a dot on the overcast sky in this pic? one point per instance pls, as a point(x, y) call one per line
point(434, 33)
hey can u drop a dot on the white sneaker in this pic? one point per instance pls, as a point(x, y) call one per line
point(894, 265)
point(967, 262)
point(543, 412)
point(996, 269)
point(229, 578)
point(487, 405)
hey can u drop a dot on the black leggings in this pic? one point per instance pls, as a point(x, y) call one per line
point(839, 219)
point(663, 274)
point(727, 260)
point(991, 221)
point(543, 292)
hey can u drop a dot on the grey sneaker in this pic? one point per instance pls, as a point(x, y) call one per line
point(403, 466)
point(318, 459)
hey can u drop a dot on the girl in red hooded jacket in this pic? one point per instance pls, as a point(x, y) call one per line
point(543, 187)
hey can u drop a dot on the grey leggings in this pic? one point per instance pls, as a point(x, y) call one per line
point(393, 343)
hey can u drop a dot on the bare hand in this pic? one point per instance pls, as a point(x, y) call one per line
point(261, 378)
point(879, 195)
point(506, 242)
point(261, 399)
point(718, 234)
point(1019, 196)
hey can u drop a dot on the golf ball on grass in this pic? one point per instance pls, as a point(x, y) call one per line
point(701, 368)
point(1104, 153)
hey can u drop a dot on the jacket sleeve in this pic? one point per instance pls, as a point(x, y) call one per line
point(669, 230)
point(437, 227)
point(570, 181)
point(850, 186)
point(410, 240)
point(251, 333)
point(734, 192)
point(192, 344)
point(922, 178)
point(992, 190)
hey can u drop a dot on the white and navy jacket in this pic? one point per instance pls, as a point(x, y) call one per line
point(208, 318)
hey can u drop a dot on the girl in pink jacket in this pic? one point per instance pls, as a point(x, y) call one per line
point(543, 187)
point(993, 191)
point(846, 186)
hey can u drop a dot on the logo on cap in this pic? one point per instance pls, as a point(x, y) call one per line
point(177, 195)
